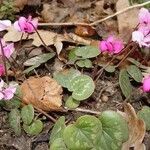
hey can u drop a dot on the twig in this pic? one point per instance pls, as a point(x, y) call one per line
point(85, 111)
point(4, 61)
point(96, 22)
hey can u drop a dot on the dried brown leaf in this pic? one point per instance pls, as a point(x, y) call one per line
point(44, 93)
point(137, 129)
point(128, 20)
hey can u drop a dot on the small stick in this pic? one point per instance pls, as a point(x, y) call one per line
point(85, 111)
point(4, 61)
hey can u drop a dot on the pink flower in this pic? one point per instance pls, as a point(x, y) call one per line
point(4, 24)
point(141, 39)
point(146, 84)
point(8, 49)
point(2, 69)
point(144, 16)
point(6, 93)
point(111, 45)
point(26, 25)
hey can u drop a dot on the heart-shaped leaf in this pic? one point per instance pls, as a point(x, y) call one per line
point(58, 144)
point(72, 103)
point(27, 114)
point(64, 78)
point(84, 63)
point(135, 73)
point(87, 51)
point(144, 114)
point(34, 129)
point(82, 134)
point(39, 59)
point(114, 131)
point(58, 129)
point(82, 87)
point(14, 121)
point(124, 83)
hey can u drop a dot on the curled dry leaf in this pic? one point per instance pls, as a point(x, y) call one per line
point(44, 93)
point(137, 129)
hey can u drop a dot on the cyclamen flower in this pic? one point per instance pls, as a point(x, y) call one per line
point(4, 24)
point(8, 49)
point(26, 24)
point(111, 45)
point(2, 69)
point(6, 93)
point(146, 84)
point(144, 16)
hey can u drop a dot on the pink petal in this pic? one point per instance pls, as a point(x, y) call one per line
point(109, 47)
point(110, 39)
point(118, 46)
point(9, 93)
point(146, 84)
point(35, 22)
point(22, 23)
point(4, 24)
point(2, 70)
point(144, 16)
point(16, 26)
point(8, 50)
point(138, 37)
point(103, 46)
point(1, 84)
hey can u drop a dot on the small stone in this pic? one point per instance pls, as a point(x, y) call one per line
point(104, 98)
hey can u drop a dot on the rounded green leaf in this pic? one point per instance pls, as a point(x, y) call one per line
point(27, 114)
point(114, 131)
point(14, 121)
point(84, 63)
point(124, 83)
point(34, 129)
point(135, 73)
point(144, 114)
point(58, 129)
point(87, 51)
point(82, 87)
point(58, 144)
point(71, 103)
point(64, 77)
point(83, 134)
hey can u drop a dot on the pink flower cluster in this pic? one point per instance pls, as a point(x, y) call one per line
point(142, 35)
point(6, 93)
point(25, 25)
point(111, 45)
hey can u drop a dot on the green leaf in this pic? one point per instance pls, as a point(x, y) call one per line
point(39, 59)
point(135, 73)
point(34, 129)
point(144, 114)
point(82, 134)
point(14, 121)
point(58, 144)
point(31, 68)
point(14, 103)
point(82, 87)
point(27, 114)
point(114, 131)
point(87, 51)
point(124, 83)
point(58, 129)
point(71, 103)
point(110, 68)
point(64, 78)
point(72, 57)
point(84, 63)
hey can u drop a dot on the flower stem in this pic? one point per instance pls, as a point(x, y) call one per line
point(41, 38)
point(4, 61)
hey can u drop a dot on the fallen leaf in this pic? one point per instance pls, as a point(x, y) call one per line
point(137, 129)
point(128, 20)
point(44, 93)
